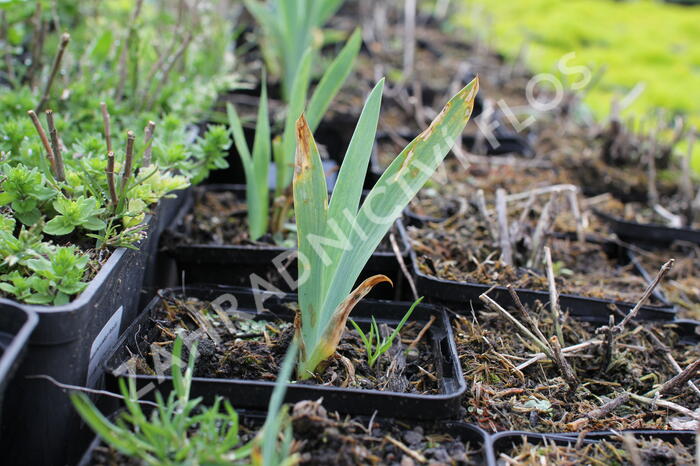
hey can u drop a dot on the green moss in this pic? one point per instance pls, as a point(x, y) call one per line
point(637, 41)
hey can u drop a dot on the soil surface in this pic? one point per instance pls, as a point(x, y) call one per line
point(462, 249)
point(254, 350)
point(537, 397)
point(652, 451)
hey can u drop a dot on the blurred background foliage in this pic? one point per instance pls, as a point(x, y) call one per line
point(645, 41)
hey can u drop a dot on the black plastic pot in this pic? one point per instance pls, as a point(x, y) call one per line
point(504, 441)
point(459, 294)
point(648, 232)
point(40, 426)
point(234, 264)
point(16, 325)
point(255, 394)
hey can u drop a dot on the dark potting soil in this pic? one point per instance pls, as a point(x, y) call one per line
point(463, 250)
point(653, 451)
point(254, 350)
point(323, 438)
point(505, 396)
point(220, 218)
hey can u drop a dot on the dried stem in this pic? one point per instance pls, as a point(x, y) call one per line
point(563, 365)
point(493, 305)
point(56, 146)
point(663, 271)
point(652, 192)
point(553, 295)
point(109, 171)
point(540, 230)
point(678, 380)
point(148, 142)
point(65, 38)
point(503, 230)
point(409, 42)
point(421, 334)
point(567, 350)
point(523, 310)
point(44, 140)
point(108, 131)
point(666, 404)
point(481, 206)
point(609, 343)
point(128, 163)
point(402, 265)
point(662, 348)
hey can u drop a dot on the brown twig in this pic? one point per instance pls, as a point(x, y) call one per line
point(567, 350)
point(108, 131)
point(65, 38)
point(678, 380)
point(44, 140)
point(523, 310)
point(600, 412)
point(56, 146)
point(609, 343)
point(109, 171)
point(563, 365)
point(666, 404)
point(662, 348)
point(401, 446)
point(663, 271)
point(553, 295)
point(503, 230)
point(128, 163)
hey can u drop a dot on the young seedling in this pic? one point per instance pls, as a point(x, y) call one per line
point(353, 231)
point(288, 28)
point(179, 430)
point(256, 164)
point(376, 348)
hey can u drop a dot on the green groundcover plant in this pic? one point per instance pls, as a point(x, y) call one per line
point(97, 126)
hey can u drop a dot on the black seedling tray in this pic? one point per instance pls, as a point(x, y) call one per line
point(459, 295)
point(255, 394)
point(503, 441)
point(227, 264)
point(648, 232)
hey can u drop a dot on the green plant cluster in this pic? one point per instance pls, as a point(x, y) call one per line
point(97, 125)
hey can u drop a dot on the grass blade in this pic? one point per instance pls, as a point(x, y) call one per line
point(257, 192)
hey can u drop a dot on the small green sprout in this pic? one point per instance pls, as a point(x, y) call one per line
point(376, 348)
